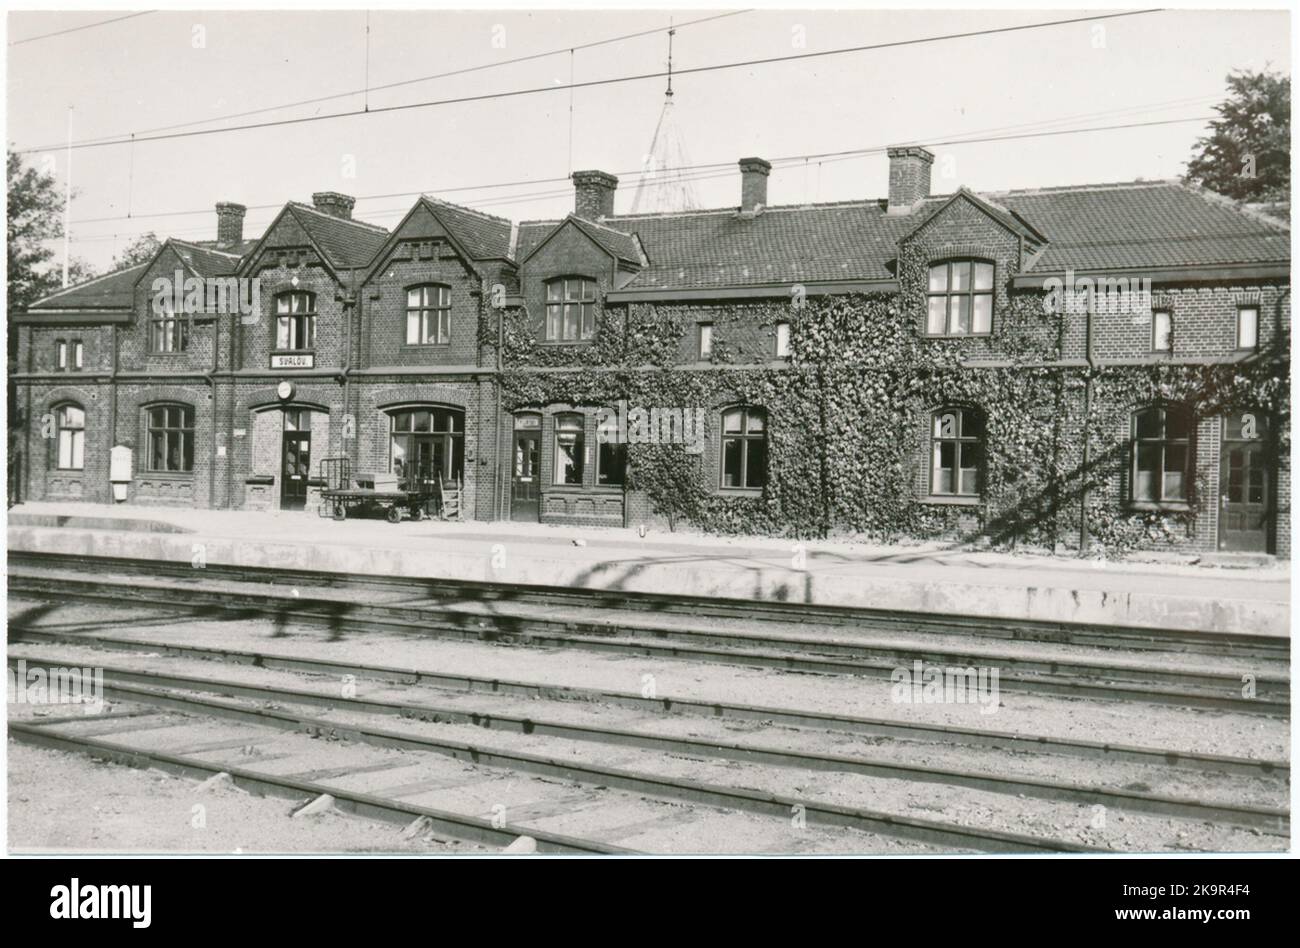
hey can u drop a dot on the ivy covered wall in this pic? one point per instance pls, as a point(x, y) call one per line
point(849, 415)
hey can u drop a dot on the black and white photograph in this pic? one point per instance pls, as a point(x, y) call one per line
point(479, 433)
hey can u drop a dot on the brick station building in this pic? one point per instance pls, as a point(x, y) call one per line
point(395, 348)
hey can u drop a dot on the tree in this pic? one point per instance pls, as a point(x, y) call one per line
point(35, 217)
point(140, 250)
point(1247, 156)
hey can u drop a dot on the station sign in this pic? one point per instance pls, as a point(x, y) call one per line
point(293, 360)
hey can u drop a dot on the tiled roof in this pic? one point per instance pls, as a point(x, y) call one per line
point(105, 292)
point(1146, 224)
point(206, 260)
point(345, 243)
point(851, 241)
point(1139, 224)
point(484, 236)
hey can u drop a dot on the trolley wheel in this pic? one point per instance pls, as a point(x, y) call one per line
point(418, 513)
point(340, 510)
point(394, 514)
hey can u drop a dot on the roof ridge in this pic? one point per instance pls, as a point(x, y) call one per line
point(342, 220)
point(197, 246)
point(1214, 197)
point(468, 210)
point(1097, 186)
point(584, 220)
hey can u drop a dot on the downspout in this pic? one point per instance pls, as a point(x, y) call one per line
point(501, 455)
point(627, 455)
point(212, 385)
point(1087, 414)
point(112, 396)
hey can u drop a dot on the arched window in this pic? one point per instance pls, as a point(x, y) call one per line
point(570, 309)
point(428, 315)
point(570, 449)
point(70, 437)
point(744, 448)
point(295, 320)
point(1162, 455)
point(428, 443)
point(959, 298)
point(956, 452)
point(170, 438)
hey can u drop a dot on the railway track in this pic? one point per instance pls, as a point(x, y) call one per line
point(1200, 688)
point(965, 627)
point(540, 746)
point(122, 683)
point(460, 826)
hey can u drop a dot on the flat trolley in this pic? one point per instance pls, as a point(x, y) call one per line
point(408, 495)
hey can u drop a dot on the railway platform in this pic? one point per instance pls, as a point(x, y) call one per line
point(1246, 598)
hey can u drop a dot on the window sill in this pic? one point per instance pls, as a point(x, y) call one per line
point(165, 475)
point(565, 342)
point(263, 479)
point(740, 492)
point(965, 335)
point(1168, 506)
point(423, 346)
point(949, 500)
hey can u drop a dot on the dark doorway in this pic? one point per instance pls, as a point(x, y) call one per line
point(1245, 484)
point(295, 471)
point(525, 481)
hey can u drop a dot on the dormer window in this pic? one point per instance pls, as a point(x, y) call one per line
point(570, 309)
point(959, 298)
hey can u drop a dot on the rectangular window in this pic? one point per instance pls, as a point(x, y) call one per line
point(706, 341)
point(171, 438)
point(569, 449)
point(960, 299)
point(78, 354)
point(783, 340)
point(611, 464)
point(957, 453)
point(295, 326)
point(744, 449)
point(1162, 331)
point(168, 332)
point(1162, 454)
point(428, 316)
point(570, 310)
point(1248, 327)
point(62, 347)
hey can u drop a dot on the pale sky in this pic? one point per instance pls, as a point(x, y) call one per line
point(145, 72)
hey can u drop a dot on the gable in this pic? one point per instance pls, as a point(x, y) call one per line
point(422, 235)
point(569, 248)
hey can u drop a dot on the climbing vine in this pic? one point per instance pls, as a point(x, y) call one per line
point(849, 418)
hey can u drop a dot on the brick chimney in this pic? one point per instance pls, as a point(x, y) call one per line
point(593, 194)
point(909, 176)
point(230, 224)
point(753, 184)
point(334, 204)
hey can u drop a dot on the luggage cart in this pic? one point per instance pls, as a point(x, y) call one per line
point(409, 496)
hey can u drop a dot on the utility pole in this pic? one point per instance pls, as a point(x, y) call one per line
point(67, 200)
